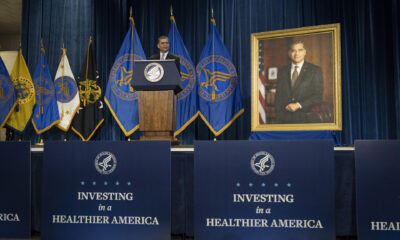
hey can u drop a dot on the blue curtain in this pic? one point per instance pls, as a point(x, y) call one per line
point(73, 22)
point(370, 42)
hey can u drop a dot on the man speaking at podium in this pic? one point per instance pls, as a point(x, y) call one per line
point(163, 45)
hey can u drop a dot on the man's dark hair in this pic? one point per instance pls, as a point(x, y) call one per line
point(294, 42)
point(162, 37)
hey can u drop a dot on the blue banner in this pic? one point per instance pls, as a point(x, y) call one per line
point(15, 190)
point(264, 190)
point(120, 97)
point(45, 113)
point(8, 100)
point(187, 105)
point(106, 190)
point(377, 189)
point(220, 100)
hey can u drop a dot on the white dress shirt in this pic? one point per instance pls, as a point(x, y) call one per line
point(163, 56)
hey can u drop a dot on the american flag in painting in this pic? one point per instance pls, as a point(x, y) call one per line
point(261, 85)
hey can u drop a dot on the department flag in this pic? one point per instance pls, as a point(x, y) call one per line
point(8, 100)
point(220, 100)
point(66, 92)
point(45, 113)
point(187, 104)
point(25, 92)
point(89, 116)
point(120, 97)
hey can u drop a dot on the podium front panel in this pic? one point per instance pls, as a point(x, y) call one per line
point(170, 80)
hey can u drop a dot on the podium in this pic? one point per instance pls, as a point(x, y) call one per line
point(157, 82)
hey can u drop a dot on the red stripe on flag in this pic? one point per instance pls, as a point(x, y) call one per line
point(261, 99)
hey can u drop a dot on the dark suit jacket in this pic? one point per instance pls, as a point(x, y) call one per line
point(169, 56)
point(307, 90)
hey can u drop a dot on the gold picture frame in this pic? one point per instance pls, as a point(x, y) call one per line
point(314, 94)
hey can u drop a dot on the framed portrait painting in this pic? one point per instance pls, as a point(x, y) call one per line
point(295, 79)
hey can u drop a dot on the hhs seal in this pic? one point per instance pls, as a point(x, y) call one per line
point(153, 72)
point(217, 78)
point(105, 163)
point(262, 163)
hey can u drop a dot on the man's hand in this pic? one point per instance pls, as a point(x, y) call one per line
point(293, 107)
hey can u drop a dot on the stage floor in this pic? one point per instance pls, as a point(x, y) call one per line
point(37, 237)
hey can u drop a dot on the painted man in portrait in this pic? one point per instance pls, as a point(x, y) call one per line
point(300, 86)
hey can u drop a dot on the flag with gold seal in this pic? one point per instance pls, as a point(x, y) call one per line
point(25, 92)
point(187, 105)
point(220, 100)
point(45, 113)
point(8, 101)
point(120, 97)
point(89, 116)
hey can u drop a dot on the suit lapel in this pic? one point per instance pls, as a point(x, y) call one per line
point(287, 76)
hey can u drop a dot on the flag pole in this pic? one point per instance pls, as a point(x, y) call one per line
point(41, 67)
point(62, 80)
point(87, 63)
point(213, 93)
point(128, 138)
point(62, 83)
point(40, 97)
point(173, 28)
point(213, 55)
point(18, 66)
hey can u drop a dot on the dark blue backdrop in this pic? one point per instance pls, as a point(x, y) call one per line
point(369, 35)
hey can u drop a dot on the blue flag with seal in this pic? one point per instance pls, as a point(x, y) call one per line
point(8, 100)
point(220, 101)
point(187, 104)
point(45, 113)
point(120, 97)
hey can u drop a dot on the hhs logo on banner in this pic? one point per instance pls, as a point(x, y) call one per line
point(105, 163)
point(262, 163)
